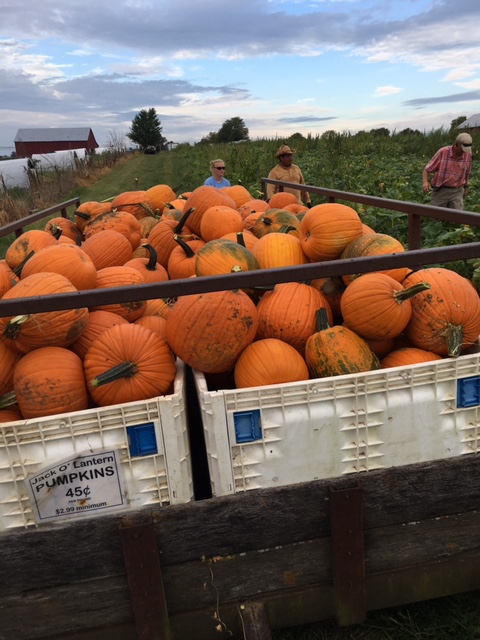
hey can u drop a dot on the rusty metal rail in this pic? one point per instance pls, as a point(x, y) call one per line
point(17, 226)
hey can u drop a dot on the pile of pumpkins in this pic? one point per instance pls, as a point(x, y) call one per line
point(71, 360)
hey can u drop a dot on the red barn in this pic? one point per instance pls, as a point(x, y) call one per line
point(30, 141)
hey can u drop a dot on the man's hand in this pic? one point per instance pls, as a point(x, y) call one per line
point(426, 187)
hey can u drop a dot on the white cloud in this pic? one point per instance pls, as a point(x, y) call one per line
point(387, 90)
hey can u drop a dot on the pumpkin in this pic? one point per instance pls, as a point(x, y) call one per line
point(89, 210)
point(296, 208)
point(64, 228)
point(326, 229)
point(66, 259)
point(121, 221)
point(382, 347)
point(273, 220)
point(250, 221)
point(238, 193)
point(26, 332)
point(375, 244)
point(244, 237)
point(223, 256)
point(446, 318)
point(159, 195)
point(269, 361)
point(289, 313)
point(276, 250)
point(128, 363)
point(332, 289)
point(162, 239)
point(7, 277)
point(158, 307)
point(282, 198)
point(377, 307)
point(98, 322)
point(208, 331)
point(9, 358)
point(253, 206)
point(10, 414)
point(175, 204)
point(337, 350)
point(157, 324)
point(181, 263)
point(49, 380)
point(108, 248)
point(219, 220)
point(23, 248)
point(137, 203)
point(112, 277)
point(149, 268)
point(201, 199)
point(408, 356)
point(146, 225)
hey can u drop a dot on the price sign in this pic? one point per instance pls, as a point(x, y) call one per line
point(86, 484)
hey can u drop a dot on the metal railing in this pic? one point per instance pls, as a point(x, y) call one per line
point(414, 258)
point(18, 226)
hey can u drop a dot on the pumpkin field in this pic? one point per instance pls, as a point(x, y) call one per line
point(149, 219)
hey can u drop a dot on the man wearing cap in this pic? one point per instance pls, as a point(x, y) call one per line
point(286, 171)
point(451, 167)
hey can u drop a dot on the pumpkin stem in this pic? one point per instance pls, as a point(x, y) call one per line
point(153, 256)
point(322, 320)
point(181, 223)
point(8, 399)
point(241, 239)
point(14, 326)
point(189, 252)
point(454, 339)
point(84, 216)
point(405, 294)
point(18, 269)
point(56, 231)
point(236, 269)
point(126, 369)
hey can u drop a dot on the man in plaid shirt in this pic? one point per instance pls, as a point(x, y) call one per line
point(451, 167)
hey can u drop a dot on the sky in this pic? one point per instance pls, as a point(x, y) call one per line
point(283, 66)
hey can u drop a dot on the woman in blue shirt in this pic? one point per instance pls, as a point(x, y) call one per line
point(217, 179)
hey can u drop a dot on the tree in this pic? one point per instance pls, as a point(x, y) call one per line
point(146, 129)
point(232, 130)
point(454, 124)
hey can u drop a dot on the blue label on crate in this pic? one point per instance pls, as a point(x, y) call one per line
point(248, 426)
point(468, 392)
point(142, 440)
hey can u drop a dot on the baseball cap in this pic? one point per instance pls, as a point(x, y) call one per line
point(465, 139)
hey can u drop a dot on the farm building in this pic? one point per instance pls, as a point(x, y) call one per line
point(471, 124)
point(41, 141)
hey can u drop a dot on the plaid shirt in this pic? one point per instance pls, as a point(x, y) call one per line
point(450, 170)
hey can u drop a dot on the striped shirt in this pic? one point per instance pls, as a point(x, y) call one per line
point(450, 170)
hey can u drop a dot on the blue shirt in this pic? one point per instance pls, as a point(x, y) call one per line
point(211, 182)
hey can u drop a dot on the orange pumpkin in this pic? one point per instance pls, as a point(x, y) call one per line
point(118, 220)
point(108, 248)
point(66, 228)
point(335, 351)
point(7, 277)
point(181, 263)
point(98, 322)
point(158, 307)
point(149, 268)
point(48, 328)
point(326, 229)
point(244, 237)
point(201, 199)
point(10, 414)
point(89, 210)
point(253, 206)
point(162, 239)
point(137, 203)
point(112, 277)
point(159, 195)
point(50, 380)
point(273, 220)
point(68, 260)
point(332, 289)
point(238, 193)
point(208, 331)
point(282, 198)
point(224, 256)
point(219, 220)
point(157, 324)
point(269, 361)
point(275, 250)
point(446, 318)
point(128, 363)
point(375, 244)
point(9, 358)
point(23, 248)
point(377, 307)
point(289, 313)
point(408, 356)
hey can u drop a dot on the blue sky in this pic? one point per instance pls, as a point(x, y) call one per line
point(283, 66)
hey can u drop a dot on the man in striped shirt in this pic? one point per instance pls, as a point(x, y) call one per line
point(451, 167)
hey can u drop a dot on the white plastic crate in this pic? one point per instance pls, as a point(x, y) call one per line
point(147, 441)
point(277, 435)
